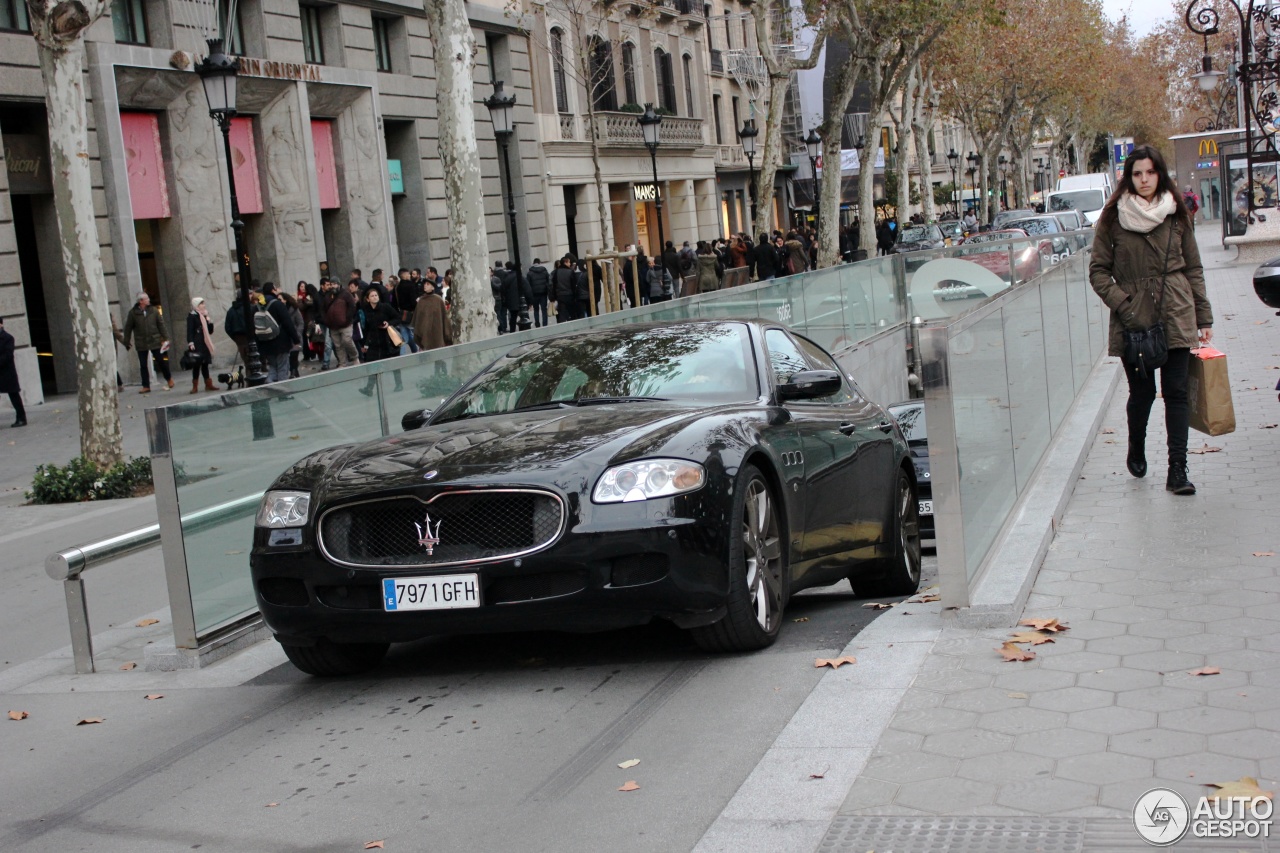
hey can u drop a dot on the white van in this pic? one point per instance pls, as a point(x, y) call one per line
point(1083, 182)
point(1088, 200)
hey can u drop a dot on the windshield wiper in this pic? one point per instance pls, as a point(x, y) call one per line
point(590, 401)
point(534, 407)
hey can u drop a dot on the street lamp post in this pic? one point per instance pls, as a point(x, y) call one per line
point(814, 143)
point(953, 159)
point(1003, 163)
point(501, 113)
point(975, 166)
point(748, 137)
point(651, 129)
point(218, 73)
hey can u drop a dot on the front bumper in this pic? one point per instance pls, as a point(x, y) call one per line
point(625, 565)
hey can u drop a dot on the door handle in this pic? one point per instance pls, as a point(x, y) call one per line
point(885, 426)
point(847, 428)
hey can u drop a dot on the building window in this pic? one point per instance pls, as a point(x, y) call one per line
point(688, 85)
point(130, 21)
point(558, 70)
point(728, 31)
point(629, 73)
point(715, 114)
point(312, 39)
point(665, 74)
point(736, 124)
point(231, 26)
point(603, 88)
point(382, 43)
point(13, 16)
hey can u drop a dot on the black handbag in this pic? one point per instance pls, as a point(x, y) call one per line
point(1146, 350)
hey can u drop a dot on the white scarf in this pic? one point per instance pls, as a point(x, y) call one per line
point(1143, 217)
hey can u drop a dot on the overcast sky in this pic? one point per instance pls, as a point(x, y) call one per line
point(1143, 14)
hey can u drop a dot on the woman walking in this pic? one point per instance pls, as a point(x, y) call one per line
point(200, 343)
point(1146, 267)
point(379, 317)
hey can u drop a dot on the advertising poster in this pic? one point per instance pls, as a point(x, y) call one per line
point(1238, 188)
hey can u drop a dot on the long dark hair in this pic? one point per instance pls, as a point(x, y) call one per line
point(1164, 185)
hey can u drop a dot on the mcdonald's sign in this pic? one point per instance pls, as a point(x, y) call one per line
point(1208, 148)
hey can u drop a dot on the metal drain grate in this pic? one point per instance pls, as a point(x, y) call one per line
point(888, 834)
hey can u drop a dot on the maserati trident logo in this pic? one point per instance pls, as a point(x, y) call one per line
point(427, 537)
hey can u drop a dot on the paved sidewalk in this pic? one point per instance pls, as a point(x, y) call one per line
point(944, 745)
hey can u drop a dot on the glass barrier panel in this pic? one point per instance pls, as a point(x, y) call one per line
point(1028, 384)
point(1079, 297)
point(956, 281)
point(822, 298)
point(1057, 345)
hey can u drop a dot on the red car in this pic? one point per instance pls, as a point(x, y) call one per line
point(991, 249)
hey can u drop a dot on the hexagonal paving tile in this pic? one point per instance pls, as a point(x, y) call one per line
point(1072, 699)
point(1088, 629)
point(1125, 644)
point(1157, 743)
point(933, 720)
point(952, 681)
point(893, 741)
point(1112, 720)
point(867, 793)
point(1247, 698)
point(967, 744)
point(1244, 626)
point(1100, 768)
point(1163, 662)
point(1060, 743)
point(946, 796)
point(1204, 644)
point(1019, 720)
point(1166, 628)
point(1205, 767)
point(1006, 767)
point(1250, 743)
point(1247, 660)
point(1160, 698)
point(983, 699)
point(1029, 679)
point(1206, 720)
point(1079, 661)
point(910, 767)
point(1118, 679)
point(1047, 795)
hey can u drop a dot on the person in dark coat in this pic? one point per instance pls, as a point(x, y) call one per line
point(9, 376)
point(377, 318)
point(562, 287)
point(200, 343)
point(515, 297)
point(431, 320)
point(146, 324)
point(275, 351)
point(671, 263)
point(539, 281)
point(766, 259)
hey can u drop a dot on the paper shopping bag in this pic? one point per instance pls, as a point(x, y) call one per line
point(1209, 393)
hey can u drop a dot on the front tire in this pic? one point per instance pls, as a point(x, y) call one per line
point(328, 659)
point(899, 573)
point(757, 568)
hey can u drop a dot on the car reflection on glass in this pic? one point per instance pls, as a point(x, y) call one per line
point(698, 472)
point(915, 238)
point(991, 250)
point(910, 418)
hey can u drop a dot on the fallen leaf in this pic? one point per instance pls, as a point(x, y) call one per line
point(271, 805)
point(821, 775)
point(1017, 695)
point(1013, 653)
point(89, 721)
point(1109, 441)
point(1245, 786)
point(151, 696)
point(629, 785)
point(1108, 431)
point(629, 763)
point(801, 619)
point(875, 605)
point(233, 553)
point(834, 663)
point(1205, 670)
point(294, 437)
point(1206, 449)
point(142, 623)
point(1264, 553)
point(373, 845)
point(924, 599)
point(1270, 426)
point(1031, 637)
point(18, 715)
point(128, 666)
point(1045, 624)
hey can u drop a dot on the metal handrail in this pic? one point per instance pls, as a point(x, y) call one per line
point(68, 565)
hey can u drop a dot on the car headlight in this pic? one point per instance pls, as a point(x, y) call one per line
point(283, 509)
point(648, 478)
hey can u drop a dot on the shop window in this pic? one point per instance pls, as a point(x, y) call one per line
point(129, 18)
point(312, 34)
point(13, 16)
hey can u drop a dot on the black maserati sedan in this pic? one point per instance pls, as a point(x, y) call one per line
point(700, 472)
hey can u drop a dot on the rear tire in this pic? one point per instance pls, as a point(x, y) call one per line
point(326, 658)
point(899, 573)
point(757, 569)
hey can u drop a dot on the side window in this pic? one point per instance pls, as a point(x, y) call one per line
point(784, 358)
point(822, 361)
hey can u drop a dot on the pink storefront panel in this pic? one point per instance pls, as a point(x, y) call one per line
point(144, 163)
point(244, 162)
point(326, 172)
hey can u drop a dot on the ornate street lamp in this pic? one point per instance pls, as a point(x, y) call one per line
point(1003, 163)
point(953, 159)
point(651, 128)
point(218, 74)
point(975, 166)
point(814, 143)
point(748, 137)
point(502, 114)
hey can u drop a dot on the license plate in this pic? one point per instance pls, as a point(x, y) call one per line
point(441, 592)
point(926, 507)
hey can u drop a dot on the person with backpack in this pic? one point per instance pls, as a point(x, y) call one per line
point(539, 281)
point(275, 333)
point(562, 287)
point(1192, 201)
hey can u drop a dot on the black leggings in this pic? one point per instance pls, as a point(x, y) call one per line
point(200, 369)
point(1173, 387)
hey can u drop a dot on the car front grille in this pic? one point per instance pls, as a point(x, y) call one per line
point(451, 528)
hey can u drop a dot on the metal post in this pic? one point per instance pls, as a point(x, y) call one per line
point(78, 619)
point(503, 139)
point(751, 164)
point(253, 360)
point(657, 203)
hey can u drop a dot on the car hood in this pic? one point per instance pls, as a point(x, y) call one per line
point(546, 446)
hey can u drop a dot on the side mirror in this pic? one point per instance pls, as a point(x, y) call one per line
point(809, 384)
point(415, 419)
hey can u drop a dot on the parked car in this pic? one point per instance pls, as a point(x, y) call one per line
point(910, 418)
point(991, 249)
point(699, 472)
point(1070, 220)
point(1266, 283)
point(952, 231)
point(914, 238)
point(1004, 217)
point(1089, 201)
point(1046, 225)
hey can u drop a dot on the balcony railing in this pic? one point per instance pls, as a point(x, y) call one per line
point(730, 156)
point(622, 129)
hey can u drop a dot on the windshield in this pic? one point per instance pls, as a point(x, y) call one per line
point(918, 234)
point(1036, 227)
point(910, 418)
point(706, 364)
point(1083, 200)
point(995, 237)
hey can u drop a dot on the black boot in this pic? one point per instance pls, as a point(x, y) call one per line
point(1178, 482)
point(1137, 460)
